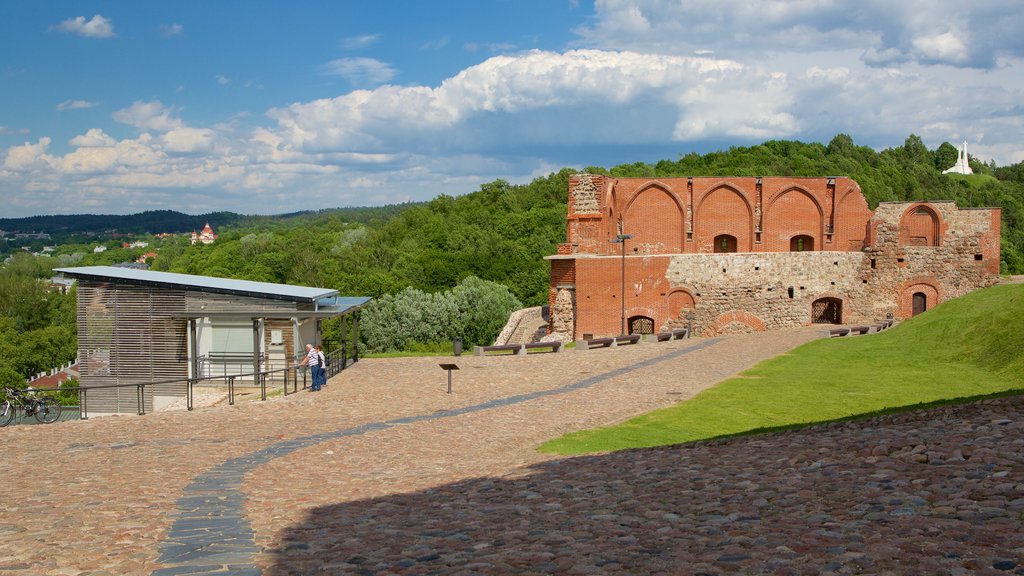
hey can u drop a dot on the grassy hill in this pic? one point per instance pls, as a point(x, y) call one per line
point(965, 348)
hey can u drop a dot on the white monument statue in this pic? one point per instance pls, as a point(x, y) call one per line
point(961, 166)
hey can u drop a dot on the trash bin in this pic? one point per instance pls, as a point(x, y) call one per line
point(457, 346)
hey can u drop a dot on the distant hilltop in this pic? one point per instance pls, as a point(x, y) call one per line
point(160, 221)
point(151, 221)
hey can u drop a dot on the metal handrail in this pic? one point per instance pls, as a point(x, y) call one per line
point(229, 379)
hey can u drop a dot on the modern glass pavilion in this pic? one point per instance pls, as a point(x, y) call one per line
point(141, 327)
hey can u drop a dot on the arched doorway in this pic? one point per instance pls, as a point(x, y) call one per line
point(827, 311)
point(725, 243)
point(641, 325)
point(802, 243)
point(920, 303)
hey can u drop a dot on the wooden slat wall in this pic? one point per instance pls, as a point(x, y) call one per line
point(131, 334)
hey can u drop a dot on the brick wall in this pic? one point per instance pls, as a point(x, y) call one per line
point(871, 263)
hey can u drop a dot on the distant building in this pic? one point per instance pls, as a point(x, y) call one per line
point(99, 249)
point(207, 236)
point(55, 377)
point(146, 257)
point(962, 165)
point(32, 236)
point(61, 284)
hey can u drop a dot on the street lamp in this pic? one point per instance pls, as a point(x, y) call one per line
point(621, 239)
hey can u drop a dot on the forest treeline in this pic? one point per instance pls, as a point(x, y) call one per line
point(501, 232)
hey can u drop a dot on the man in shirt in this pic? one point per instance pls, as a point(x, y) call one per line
point(312, 360)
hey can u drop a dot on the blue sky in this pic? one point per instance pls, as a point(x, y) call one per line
point(270, 107)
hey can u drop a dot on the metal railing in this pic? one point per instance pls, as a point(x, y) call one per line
point(336, 361)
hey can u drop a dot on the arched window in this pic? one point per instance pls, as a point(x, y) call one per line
point(920, 227)
point(920, 303)
point(725, 243)
point(641, 325)
point(802, 243)
point(827, 311)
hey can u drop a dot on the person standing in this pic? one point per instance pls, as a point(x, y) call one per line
point(323, 364)
point(312, 360)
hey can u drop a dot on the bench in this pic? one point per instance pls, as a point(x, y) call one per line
point(596, 343)
point(630, 339)
point(513, 348)
point(860, 329)
point(838, 332)
point(677, 334)
point(555, 346)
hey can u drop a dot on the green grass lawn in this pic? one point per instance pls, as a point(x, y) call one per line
point(965, 348)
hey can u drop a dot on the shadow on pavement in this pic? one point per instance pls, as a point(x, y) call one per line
point(809, 501)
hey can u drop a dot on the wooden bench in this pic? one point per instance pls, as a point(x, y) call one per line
point(513, 348)
point(596, 343)
point(838, 332)
point(677, 334)
point(630, 339)
point(860, 329)
point(555, 346)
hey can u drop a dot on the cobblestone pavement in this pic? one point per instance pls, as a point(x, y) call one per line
point(382, 472)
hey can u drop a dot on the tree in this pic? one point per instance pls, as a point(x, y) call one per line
point(946, 156)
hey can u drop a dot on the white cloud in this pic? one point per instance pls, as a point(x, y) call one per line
point(359, 42)
point(360, 70)
point(172, 29)
point(148, 116)
point(532, 87)
point(98, 27)
point(188, 140)
point(949, 32)
point(95, 137)
point(28, 156)
point(223, 80)
point(75, 105)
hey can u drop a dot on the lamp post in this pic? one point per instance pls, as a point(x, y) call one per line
point(621, 239)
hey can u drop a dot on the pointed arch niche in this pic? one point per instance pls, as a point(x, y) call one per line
point(654, 217)
point(793, 213)
point(920, 225)
point(724, 211)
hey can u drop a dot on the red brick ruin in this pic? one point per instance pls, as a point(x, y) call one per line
point(741, 254)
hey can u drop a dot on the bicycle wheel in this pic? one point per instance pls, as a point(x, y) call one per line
point(7, 415)
point(47, 410)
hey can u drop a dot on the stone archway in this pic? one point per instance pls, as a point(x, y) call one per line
point(640, 325)
point(827, 311)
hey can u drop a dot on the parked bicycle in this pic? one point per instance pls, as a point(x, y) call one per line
point(44, 408)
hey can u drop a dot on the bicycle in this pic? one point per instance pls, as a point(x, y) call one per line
point(44, 408)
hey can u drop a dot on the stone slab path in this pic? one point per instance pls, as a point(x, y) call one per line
point(384, 473)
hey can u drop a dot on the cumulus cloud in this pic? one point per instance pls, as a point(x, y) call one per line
point(939, 32)
point(28, 156)
point(223, 80)
point(151, 115)
point(97, 27)
point(360, 70)
point(188, 140)
point(94, 138)
point(75, 105)
point(531, 87)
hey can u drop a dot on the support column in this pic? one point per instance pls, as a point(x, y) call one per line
point(255, 348)
point(344, 342)
point(355, 337)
